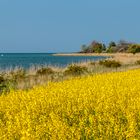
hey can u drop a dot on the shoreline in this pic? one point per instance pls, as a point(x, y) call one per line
point(82, 54)
point(125, 58)
point(95, 54)
point(21, 78)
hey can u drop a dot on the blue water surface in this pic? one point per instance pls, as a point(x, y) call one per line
point(26, 60)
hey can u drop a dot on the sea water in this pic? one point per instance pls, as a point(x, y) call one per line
point(26, 60)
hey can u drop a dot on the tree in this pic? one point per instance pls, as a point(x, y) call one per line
point(103, 47)
point(134, 48)
point(83, 48)
point(112, 44)
point(123, 46)
point(96, 47)
point(112, 47)
point(122, 42)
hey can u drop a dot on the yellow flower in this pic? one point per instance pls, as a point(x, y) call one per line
point(102, 106)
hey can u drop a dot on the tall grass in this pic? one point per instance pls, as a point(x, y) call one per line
point(19, 78)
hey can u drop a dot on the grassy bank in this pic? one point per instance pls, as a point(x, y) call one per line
point(102, 106)
point(20, 78)
point(126, 58)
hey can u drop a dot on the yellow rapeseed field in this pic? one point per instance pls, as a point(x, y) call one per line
point(102, 106)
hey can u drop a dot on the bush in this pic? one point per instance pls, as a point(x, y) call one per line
point(92, 63)
point(138, 62)
point(110, 63)
point(18, 74)
point(44, 71)
point(75, 70)
point(134, 48)
point(1, 79)
point(3, 86)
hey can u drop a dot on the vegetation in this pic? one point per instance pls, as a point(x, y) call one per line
point(134, 48)
point(2, 84)
point(103, 106)
point(111, 48)
point(75, 70)
point(110, 63)
point(33, 105)
point(44, 71)
point(95, 47)
point(18, 73)
point(138, 62)
point(121, 46)
point(20, 78)
point(92, 63)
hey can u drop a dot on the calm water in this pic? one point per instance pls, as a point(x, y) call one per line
point(27, 60)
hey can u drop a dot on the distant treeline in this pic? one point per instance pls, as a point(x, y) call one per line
point(113, 47)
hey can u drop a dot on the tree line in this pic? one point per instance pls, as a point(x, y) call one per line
point(113, 47)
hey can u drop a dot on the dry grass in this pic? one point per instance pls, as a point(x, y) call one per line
point(31, 78)
point(125, 58)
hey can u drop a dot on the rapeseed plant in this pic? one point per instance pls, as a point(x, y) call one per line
point(102, 106)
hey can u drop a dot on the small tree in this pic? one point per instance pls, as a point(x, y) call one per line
point(112, 47)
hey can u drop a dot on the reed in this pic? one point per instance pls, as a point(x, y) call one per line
point(19, 78)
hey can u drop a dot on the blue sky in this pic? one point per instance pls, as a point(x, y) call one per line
point(64, 25)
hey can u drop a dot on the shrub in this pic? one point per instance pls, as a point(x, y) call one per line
point(1, 79)
point(110, 63)
point(18, 74)
point(134, 48)
point(75, 69)
point(138, 62)
point(44, 71)
point(92, 63)
point(3, 86)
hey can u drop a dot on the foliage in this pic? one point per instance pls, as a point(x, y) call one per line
point(110, 63)
point(112, 44)
point(111, 49)
point(4, 86)
point(95, 47)
point(92, 63)
point(44, 71)
point(83, 48)
point(134, 48)
point(17, 74)
point(1, 79)
point(121, 46)
point(103, 106)
point(75, 70)
point(138, 62)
